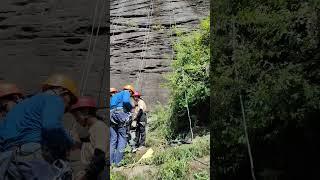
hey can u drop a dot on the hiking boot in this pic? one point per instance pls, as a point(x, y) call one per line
point(134, 150)
point(141, 148)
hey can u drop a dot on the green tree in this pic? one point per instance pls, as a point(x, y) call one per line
point(189, 79)
point(268, 51)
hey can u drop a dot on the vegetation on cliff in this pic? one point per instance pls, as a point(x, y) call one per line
point(267, 51)
point(189, 87)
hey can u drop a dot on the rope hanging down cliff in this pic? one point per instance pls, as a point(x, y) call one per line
point(115, 25)
point(234, 34)
point(89, 59)
point(105, 63)
point(145, 46)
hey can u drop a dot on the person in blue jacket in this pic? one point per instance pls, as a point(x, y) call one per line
point(34, 126)
point(120, 116)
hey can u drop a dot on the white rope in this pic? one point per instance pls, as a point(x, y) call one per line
point(144, 47)
point(91, 60)
point(142, 54)
point(115, 26)
point(190, 123)
point(89, 49)
point(102, 80)
point(242, 107)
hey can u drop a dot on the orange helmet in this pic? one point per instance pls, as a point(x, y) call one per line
point(9, 89)
point(129, 87)
point(113, 90)
point(60, 80)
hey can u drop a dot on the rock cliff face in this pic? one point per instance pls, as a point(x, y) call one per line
point(40, 37)
point(141, 41)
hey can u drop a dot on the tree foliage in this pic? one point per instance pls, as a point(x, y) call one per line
point(189, 80)
point(269, 52)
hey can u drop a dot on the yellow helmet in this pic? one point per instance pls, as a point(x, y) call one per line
point(60, 80)
point(129, 87)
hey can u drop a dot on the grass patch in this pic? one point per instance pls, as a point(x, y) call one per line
point(173, 161)
point(174, 170)
point(158, 131)
point(117, 176)
point(199, 148)
point(201, 175)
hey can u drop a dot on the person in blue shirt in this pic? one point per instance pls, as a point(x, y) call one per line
point(120, 116)
point(34, 126)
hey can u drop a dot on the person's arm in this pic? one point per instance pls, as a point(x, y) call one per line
point(53, 130)
point(98, 161)
point(126, 99)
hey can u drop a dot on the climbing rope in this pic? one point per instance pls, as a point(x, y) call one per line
point(90, 60)
point(241, 102)
point(114, 25)
point(144, 46)
point(102, 80)
point(89, 48)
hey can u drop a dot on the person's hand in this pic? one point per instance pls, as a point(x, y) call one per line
point(134, 124)
point(80, 175)
point(83, 178)
point(77, 145)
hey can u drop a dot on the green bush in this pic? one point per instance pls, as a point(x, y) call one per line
point(158, 124)
point(189, 80)
point(202, 175)
point(174, 161)
point(116, 176)
point(199, 148)
point(270, 56)
point(173, 169)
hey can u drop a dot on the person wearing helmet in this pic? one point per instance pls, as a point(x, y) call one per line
point(113, 91)
point(93, 153)
point(120, 116)
point(34, 126)
point(141, 120)
point(10, 95)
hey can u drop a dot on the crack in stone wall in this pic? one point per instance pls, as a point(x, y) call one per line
point(40, 37)
point(129, 22)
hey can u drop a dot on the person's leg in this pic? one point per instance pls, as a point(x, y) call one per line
point(142, 130)
point(113, 143)
point(105, 174)
point(133, 138)
point(122, 142)
point(137, 139)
